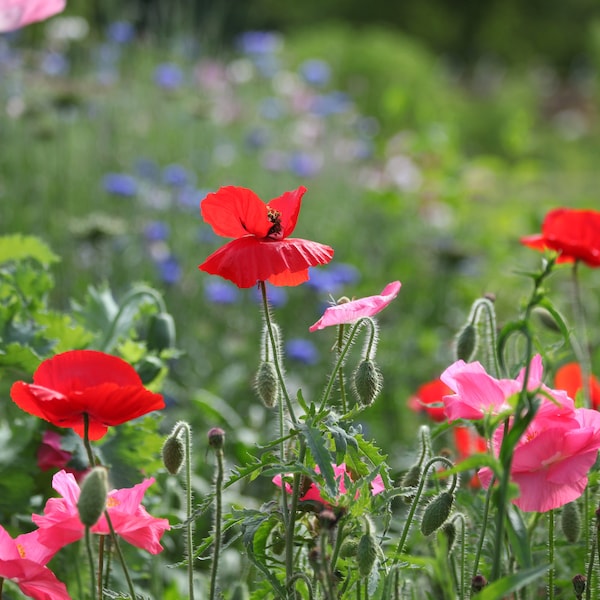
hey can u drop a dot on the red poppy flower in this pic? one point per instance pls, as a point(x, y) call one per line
point(261, 250)
point(469, 442)
point(574, 234)
point(104, 387)
point(428, 399)
point(568, 378)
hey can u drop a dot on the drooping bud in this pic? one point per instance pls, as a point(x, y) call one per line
point(478, 583)
point(570, 521)
point(366, 553)
point(216, 438)
point(546, 319)
point(449, 531)
point(173, 454)
point(161, 332)
point(349, 548)
point(436, 513)
point(149, 368)
point(367, 382)
point(266, 383)
point(412, 477)
point(579, 583)
point(466, 343)
point(92, 499)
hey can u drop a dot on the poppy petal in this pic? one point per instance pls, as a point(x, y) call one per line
point(236, 212)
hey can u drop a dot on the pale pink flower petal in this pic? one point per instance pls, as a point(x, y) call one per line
point(349, 312)
point(15, 14)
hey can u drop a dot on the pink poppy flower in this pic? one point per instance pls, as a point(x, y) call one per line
point(348, 312)
point(23, 560)
point(553, 457)
point(15, 14)
point(60, 524)
point(340, 472)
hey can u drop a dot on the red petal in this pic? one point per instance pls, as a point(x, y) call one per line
point(79, 369)
point(288, 204)
point(236, 212)
point(247, 260)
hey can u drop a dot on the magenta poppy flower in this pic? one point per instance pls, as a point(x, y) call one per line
point(23, 560)
point(553, 457)
point(348, 312)
point(104, 387)
point(60, 524)
point(340, 473)
point(261, 249)
point(15, 14)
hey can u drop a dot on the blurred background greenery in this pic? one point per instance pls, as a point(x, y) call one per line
point(431, 135)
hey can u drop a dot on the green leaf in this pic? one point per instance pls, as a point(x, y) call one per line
point(16, 356)
point(19, 247)
point(315, 442)
point(518, 537)
point(501, 588)
point(68, 334)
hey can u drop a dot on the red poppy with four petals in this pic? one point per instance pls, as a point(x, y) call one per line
point(261, 249)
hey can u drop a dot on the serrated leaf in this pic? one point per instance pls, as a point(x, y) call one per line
point(16, 356)
point(19, 247)
point(501, 588)
point(315, 442)
point(69, 335)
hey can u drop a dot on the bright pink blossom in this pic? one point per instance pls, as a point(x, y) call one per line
point(23, 560)
point(340, 472)
point(15, 14)
point(60, 524)
point(348, 312)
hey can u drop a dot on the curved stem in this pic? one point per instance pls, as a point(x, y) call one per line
point(304, 577)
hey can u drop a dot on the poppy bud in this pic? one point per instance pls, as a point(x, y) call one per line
point(366, 553)
point(216, 438)
point(367, 382)
point(449, 531)
point(570, 521)
point(412, 477)
point(92, 499)
point(546, 319)
point(466, 343)
point(161, 332)
point(579, 582)
point(349, 548)
point(436, 513)
point(478, 583)
point(149, 368)
point(173, 454)
point(267, 384)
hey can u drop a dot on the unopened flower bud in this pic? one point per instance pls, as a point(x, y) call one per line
point(412, 477)
point(216, 438)
point(92, 499)
point(546, 319)
point(466, 343)
point(570, 521)
point(367, 382)
point(478, 583)
point(349, 548)
point(173, 454)
point(267, 384)
point(449, 531)
point(149, 368)
point(436, 513)
point(366, 553)
point(579, 582)
point(161, 332)
point(327, 519)
point(240, 591)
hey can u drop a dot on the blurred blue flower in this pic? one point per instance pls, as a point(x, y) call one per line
point(331, 280)
point(120, 32)
point(147, 168)
point(276, 295)
point(334, 103)
point(220, 292)
point(156, 231)
point(316, 72)
point(175, 175)
point(256, 138)
point(190, 197)
point(302, 350)
point(169, 270)
point(344, 273)
point(304, 164)
point(54, 64)
point(259, 42)
point(120, 184)
point(168, 76)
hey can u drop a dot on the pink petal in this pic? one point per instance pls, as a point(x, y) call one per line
point(349, 312)
point(15, 14)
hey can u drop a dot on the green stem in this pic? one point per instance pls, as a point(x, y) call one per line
point(90, 554)
point(338, 544)
point(100, 564)
point(340, 345)
point(304, 577)
point(590, 569)
point(551, 554)
point(218, 518)
point(86, 440)
point(486, 512)
point(584, 347)
point(291, 520)
point(115, 541)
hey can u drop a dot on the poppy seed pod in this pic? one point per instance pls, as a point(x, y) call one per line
point(367, 382)
point(570, 521)
point(267, 384)
point(92, 499)
point(161, 332)
point(173, 454)
point(349, 548)
point(466, 343)
point(436, 513)
point(366, 553)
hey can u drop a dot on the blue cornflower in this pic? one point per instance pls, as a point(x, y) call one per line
point(259, 42)
point(168, 76)
point(220, 292)
point(120, 184)
point(169, 270)
point(175, 175)
point(156, 231)
point(304, 164)
point(303, 351)
point(316, 72)
point(120, 32)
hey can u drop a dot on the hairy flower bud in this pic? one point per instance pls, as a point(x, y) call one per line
point(349, 548)
point(366, 553)
point(412, 477)
point(173, 454)
point(436, 513)
point(570, 521)
point(216, 438)
point(466, 343)
point(267, 384)
point(92, 499)
point(449, 531)
point(367, 382)
point(579, 582)
point(161, 332)
point(478, 583)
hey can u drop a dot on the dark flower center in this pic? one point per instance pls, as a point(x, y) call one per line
point(275, 217)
